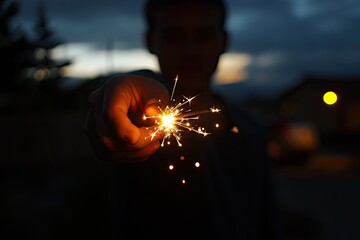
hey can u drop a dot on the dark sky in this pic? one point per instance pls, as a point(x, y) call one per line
point(278, 41)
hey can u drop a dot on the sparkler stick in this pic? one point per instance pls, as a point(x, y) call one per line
point(173, 90)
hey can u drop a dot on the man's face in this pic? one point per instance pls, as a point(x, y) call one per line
point(188, 40)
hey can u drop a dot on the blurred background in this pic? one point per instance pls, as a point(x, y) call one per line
point(295, 64)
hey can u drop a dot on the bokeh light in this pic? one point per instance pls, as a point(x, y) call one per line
point(330, 98)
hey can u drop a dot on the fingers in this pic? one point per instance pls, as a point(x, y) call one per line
point(107, 148)
point(117, 104)
point(125, 103)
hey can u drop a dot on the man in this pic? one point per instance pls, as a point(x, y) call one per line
point(226, 196)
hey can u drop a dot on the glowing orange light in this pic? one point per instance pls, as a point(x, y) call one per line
point(235, 129)
point(168, 121)
point(215, 110)
point(217, 125)
point(182, 158)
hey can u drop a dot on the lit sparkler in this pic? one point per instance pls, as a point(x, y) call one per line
point(174, 118)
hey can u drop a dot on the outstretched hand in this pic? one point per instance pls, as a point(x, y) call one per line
point(115, 125)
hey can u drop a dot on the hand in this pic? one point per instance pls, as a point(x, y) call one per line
point(115, 125)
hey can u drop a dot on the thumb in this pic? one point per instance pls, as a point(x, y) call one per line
point(155, 105)
point(153, 108)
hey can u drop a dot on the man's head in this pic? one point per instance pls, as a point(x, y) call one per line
point(188, 37)
point(152, 5)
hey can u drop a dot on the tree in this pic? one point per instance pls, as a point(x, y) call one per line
point(46, 68)
point(15, 48)
point(30, 76)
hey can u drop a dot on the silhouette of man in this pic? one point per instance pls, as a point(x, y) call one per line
point(227, 194)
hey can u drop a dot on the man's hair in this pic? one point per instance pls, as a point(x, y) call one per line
point(152, 5)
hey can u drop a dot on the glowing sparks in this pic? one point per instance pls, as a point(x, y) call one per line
point(174, 118)
point(172, 121)
point(235, 130)
point(215, 110)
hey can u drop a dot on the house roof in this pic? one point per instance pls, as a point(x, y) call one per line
point(349, 84)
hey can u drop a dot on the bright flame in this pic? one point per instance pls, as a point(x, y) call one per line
point(168, 121)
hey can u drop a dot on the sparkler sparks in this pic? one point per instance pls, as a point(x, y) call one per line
point(174, 118)
point(235, 130)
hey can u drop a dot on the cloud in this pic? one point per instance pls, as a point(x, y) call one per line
point(83, 10)
point(89, 20)
point(282, 39)
point(297, 37)
point(89, 61)
point(232, 68)
point(293, 25)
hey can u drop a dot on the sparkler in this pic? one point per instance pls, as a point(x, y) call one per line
point(174, 118)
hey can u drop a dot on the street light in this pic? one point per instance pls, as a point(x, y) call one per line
point(330, 98)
